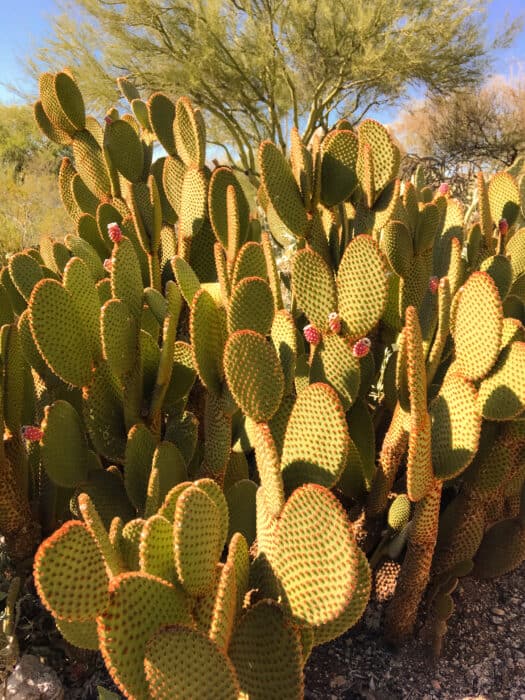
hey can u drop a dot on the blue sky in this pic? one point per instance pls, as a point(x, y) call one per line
point(25, 23)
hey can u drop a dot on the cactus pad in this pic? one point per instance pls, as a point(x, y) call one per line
point(251, 306)
point(334, 363)
point(502, 392)
point(314, 287)
point(207, 340)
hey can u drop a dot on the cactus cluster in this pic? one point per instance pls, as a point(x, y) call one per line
point(194, 446)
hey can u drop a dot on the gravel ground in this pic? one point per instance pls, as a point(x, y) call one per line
point(483, 656)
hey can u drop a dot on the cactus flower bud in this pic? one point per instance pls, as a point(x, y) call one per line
point(334, 322)
point(108, 120)
point(108, 264)
point(444, 189)
point(503, 226)
point(361, 347)
point(312, 335)
point(32, 433)
point(114, 232)
point(433, 284)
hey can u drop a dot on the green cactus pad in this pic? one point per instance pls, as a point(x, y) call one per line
point(502, 549)
point(314, 287)
point(267, 654)
point(396, 243)
point(172, 180)
point(399, 512)
point(83, 250)
point(334, 363)
point(57, 328)
point(456, 426)
point(214, 491)
point(190, 133)
point(504, 198)
point(50, 130)
point(208, 672)
point(193, 203)
point(104, 414)
point(87, 229)
point(63, 446)
point(254, 375)
point(125, 149)
point(126, 277)
point(85, 200)
point(500, 269)
point(155, 549)
point(71, 556)
point(197, 532)
point(477, 326)
point(385, 154)
point(427, 227)
point(355, 608)
point(25, 273)
point(250, 262)
point(106, 490)
point(186, 279)
point(80, 284)
point(225, 607)
point(239, 554)
point(502, 392)
point(307, 456)
point(161, 112)
point(362, 286)
point(80, 634)
point(419, 458)
point(171, 466)
point(281, 188)
point(207, 340)
point(124, 629)
point(140, 448)
point(221, 179)
point(284, 338)
point(315, 556)
point(241, 506)
point(62, 102)
point(251, 306)
point(514, 250)
point(338, 166)
point(112, 559)
point(119, 336)
point(90, 164)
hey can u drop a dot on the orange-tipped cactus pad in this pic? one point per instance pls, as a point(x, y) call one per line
point(183, 663)
point(315, 556)
point(254, 374)
point(70, 575)
point(307, 454)
point(139, 605)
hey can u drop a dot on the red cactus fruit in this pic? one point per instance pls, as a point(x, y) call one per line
point(503, 226)
point(444, 189)
point(311, 334)
point(33, 433)
point(108, 264)
point(114, 232)
point(433, 284)
point(361, 347)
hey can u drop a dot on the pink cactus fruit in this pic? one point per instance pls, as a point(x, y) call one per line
point(32, 433)
point(114, 232)
point(361, 347)
point(311, 334)
point(444, 189)
point(503, 226)
point(108, 120)
point(433, 284)
point(108, 264)
point(334, 322)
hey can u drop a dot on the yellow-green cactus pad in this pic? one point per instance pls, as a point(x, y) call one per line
point(80, 634)
point(385, 154)
point(112, 560)
point(62, 101)
point(419, 459)
point(500, 269)
point(161, 112)
point(250, 262)
point(269, 468)
point(193, 203)
point(186, 278)
point(502, 392)
point(70, 575)
point(362, 286)
point(50, 130)
point(241, 506)
point(221, 179)
point(334, 363)
point(125, 149)
point(314, 287)
point(515, 251)
point(338, 166)
point(25, 273)
point(477, 326)
point(184, 663)
point(504, 198)
point(167, 509)
point(126, 277)
point(355, 608)
point(89, 161)
point(427, 227)
point(214, 491)
point(106, 490)
point(190, 133)
point(281, 188)
point(399, 512)
point(225, 607)
point(197, 532)
point(239, 554)
point(155, 549)
point(139, 604)
point(251, 306)
point(60, 337)
point(171, 466)
point(104, 414)
point(63, 447)
point(315, 556)
point(456, 426)
point(83, 250)
point(284, 338)
point(207, 340)
point(140, 448)
point(119, 336)
point(254, 374)
point(267, 654)
point(397, 245)
point(307, 456)
point(172, 180)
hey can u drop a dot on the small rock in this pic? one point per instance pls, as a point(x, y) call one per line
point(33, 680)
point(337, 682)
point(498, 611)
point(436, 685)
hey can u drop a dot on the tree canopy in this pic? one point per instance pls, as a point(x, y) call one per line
point(260, 67)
